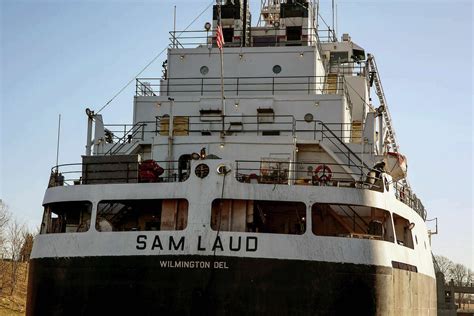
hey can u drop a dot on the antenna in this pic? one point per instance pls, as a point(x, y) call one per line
point(333, 19)
point(57, 145)
point(174, 28)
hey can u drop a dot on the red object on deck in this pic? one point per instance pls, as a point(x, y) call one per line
point(149, 171)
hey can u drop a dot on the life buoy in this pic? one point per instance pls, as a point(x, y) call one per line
point(322, 173)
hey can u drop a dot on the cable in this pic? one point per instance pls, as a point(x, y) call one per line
point(151, 62)
point(363, 100)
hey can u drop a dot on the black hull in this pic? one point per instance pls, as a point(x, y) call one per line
point(138, 285)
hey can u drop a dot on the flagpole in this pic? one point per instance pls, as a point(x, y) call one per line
point(221, 50)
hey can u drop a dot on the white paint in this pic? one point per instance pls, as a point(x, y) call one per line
point(201, 192)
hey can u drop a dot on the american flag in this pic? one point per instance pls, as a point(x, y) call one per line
point(219, 37)
point(219, 34)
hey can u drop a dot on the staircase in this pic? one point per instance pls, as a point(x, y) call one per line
point(129, 139)
point(330, 86)
point(356, 132)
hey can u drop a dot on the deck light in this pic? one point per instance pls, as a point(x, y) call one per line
point(221, 145)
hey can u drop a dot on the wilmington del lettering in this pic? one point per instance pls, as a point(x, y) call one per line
point(234, 243)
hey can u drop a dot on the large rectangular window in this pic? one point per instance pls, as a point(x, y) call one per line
point(66, 217)
point(142, 215)
point(275, 217)
point(352, 221)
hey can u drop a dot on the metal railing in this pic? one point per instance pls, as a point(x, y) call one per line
point(136, 132)
point(306, 173)
point(404, 194)
point(242, 85)
point(113, 172)
point(260, 37)
point(352, 68)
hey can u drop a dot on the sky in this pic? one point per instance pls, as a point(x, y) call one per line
point(59, 57)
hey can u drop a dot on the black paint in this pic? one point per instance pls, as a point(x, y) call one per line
point(138, 285)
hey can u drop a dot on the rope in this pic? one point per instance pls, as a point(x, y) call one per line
point(151, 62)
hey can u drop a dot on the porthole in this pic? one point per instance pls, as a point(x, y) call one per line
point(202, 170)
point(425, 244)
point(416, 239)
point(276, 69)
point(204, 70)
point(308, 117)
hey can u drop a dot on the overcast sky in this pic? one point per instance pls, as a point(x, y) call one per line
point(64, 56)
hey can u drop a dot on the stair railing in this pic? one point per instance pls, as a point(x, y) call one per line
point(127, 138)
point(349, 154)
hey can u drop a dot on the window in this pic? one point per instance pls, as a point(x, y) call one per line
point(403, 229)
point(293, 33)
point(275, 217)
point(339, 57)
point(180, 125)
point(142, 215)
point(228, 34)
point(352, 221)
point(66, 217)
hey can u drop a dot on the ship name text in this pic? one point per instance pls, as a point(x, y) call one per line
point(234, 243)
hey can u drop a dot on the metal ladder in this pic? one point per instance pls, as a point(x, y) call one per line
point(383, 102)
point(392, 140)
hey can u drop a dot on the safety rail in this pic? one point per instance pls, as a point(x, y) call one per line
point(278, 171)
point(350, 68)
point(258, 38)
point(353, 160)
point(136, 132)
point(115, 172)
point(118, 133)
point(404, 194)
point(327, 36)
point(242, 85)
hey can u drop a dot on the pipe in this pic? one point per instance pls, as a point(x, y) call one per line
point(170, 139)
point(90, 118)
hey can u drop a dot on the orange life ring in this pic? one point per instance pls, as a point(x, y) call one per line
point(322, 173)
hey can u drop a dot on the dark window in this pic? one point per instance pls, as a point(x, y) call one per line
point(142, 215)
point(275, 217)
point(66, 217)
point(263, 41)
point(339, 57)
point(228, 35)
point(293, 33)
point(352, 221)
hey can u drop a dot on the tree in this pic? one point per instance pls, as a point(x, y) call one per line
point(16, 234)
point(27, 246)
point(461, 276)
point(445, 266)
point(4, 219)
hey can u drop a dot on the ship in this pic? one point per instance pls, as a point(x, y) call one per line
point(261, 175)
